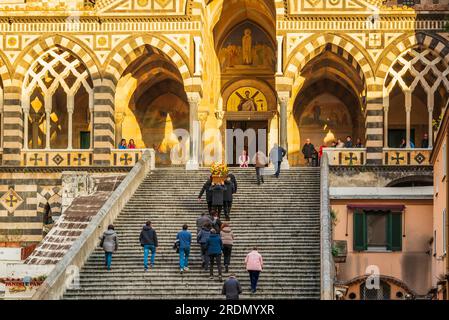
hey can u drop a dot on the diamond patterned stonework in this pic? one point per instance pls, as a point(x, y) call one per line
point(420, 158)
point(11, 200)
point(58, 159)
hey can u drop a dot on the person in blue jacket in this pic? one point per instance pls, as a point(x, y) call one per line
point(214, 250)
point(185, 239)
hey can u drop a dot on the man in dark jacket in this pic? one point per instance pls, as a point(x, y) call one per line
point(227, 197)
point(217, 197)
point(214, 250)
point(234, 181)
point(308, 150)
point(232, 288)
point(202, 238)
point(148, 240)
point(348, 142)
point(277, 154)
point(206, 188)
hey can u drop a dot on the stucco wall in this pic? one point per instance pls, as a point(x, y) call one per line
point(438, 260)
point(412, 265)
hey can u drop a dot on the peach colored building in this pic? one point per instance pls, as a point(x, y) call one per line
point(440, 265)
point(387, 232)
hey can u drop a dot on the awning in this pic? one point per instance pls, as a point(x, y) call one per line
point(380, 207)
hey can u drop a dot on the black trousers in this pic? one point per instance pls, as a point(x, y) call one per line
point(209, 206)
point(218, 209)
point(227, 205)
point(259, 176)
point(204, 256)
point(216, 258)
point(227, 250)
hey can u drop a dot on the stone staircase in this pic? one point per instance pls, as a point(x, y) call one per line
point(280, 217)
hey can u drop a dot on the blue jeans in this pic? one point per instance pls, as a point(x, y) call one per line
point(146, 249)
point(254, 277)
point(184, 257)
point(108, 258)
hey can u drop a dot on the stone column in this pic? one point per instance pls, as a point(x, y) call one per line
point(48, 106)
point(119, 117)
point(70, 108)
point(408, 109)
point(284, 97)
point(202, 117)
point(280, 40)
point(430, 105)
point(26, 114)
point(194, 100)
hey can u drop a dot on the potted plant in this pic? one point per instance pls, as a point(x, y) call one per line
point(219, 172)
point(339, 250)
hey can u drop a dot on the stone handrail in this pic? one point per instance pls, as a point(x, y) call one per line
point(327, 262)
point(63, 274)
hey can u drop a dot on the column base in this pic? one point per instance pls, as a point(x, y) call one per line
point(192, 165)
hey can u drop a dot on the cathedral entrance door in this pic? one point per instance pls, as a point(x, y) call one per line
point(258, 140)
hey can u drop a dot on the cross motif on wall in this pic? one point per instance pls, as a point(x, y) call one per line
point(11, 200)
point(126, 158)
point(80, 159)
point(397, 159)
point(35, 159)
point(351, 158)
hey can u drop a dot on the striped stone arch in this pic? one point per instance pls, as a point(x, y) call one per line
point(43, 44)
point(13, 132)
point(311, 48)
point(438, 44)
point(281, 7)
point(129, 49)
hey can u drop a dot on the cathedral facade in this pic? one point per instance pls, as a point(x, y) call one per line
point(78, 76)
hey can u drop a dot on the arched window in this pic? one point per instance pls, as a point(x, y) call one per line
point(415, 91)
point(383, 292)
point(57, 101)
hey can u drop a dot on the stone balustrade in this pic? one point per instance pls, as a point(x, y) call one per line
point(406, 157)
point(346, 156)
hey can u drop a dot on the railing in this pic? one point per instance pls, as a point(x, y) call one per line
point(406, 157)
point(327, 262)
point(125, 157)
point(62, 276)
point(77, 157)
point(346, 156)
point(57, 158)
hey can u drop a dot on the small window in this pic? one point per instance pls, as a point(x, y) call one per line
point(377, 230)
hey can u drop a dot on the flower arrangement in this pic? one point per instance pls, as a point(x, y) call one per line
point(219, 169)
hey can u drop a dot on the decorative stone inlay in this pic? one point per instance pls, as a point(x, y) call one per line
point(420, 158)
point(11, 200)
point(58, 159)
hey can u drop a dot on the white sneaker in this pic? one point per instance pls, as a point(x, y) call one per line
point(186, 269)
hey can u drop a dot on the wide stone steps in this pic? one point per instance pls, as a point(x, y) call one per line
point(281, 217)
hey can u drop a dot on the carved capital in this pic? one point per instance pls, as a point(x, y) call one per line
point(283, 97)
point(193, 98)
point(219, 115)
point(202, 117)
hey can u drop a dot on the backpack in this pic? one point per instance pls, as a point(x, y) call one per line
point(176, 245)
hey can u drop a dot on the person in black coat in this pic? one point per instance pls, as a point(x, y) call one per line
point(217, 196)
point(307, 151)
point(227, 197)
point(206, 188)
point(234, 181)
point(216, 222)
point(231, 288)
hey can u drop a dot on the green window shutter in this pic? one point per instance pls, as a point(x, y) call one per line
point(359, 231)
point(394, 231)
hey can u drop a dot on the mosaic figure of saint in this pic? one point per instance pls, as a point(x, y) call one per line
point(247, 43)
point(247, 103)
